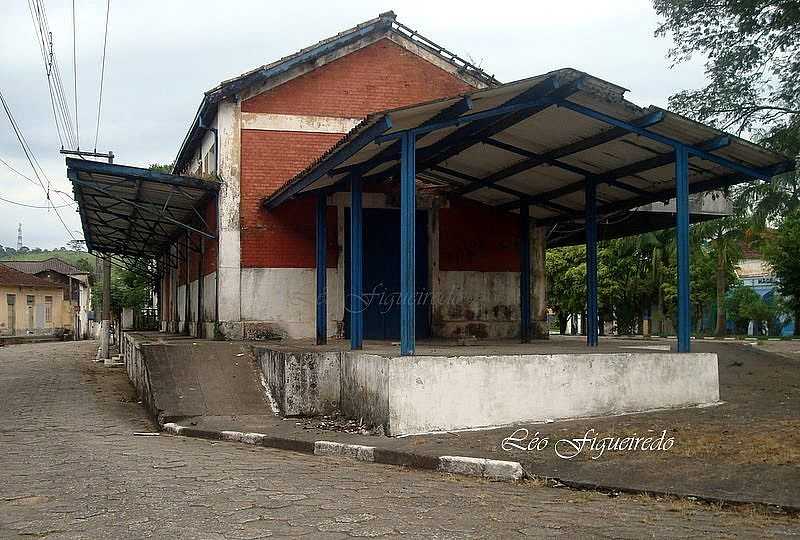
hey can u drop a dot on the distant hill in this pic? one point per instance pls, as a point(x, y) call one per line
point(74, 258)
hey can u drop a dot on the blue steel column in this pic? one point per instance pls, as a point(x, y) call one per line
point(356, 265)
point(591, 265)
point(682, 203)
point(322, 282)
point(408, 228)
point(525, 273)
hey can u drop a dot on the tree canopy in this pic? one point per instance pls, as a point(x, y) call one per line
point(752, 49)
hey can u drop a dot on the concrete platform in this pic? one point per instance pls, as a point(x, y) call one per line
point(446, 387)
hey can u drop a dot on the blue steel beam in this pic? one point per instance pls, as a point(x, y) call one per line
point(339, 156)
point(663, 139)
point(612, 177)
point(393, 151)
point(569, 149)
point(522, 196)
point(591, 265)
point(534, 97)
point(525, 274)
point(682, 203)
point(528, 103)
point(322, 265)
point(408, 213)
point(356, 266)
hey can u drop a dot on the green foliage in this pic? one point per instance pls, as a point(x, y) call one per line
point(128, 289)
point(161, 167)
point(741, 305)
point(783, 254)
point(753, 60)
point(566, 277)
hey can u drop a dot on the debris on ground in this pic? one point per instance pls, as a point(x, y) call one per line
point(340, 423)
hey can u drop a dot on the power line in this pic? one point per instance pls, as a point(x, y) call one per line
point(63, 194)
point(38, 171)
point(102, 75)
point(75, 74)
point(58, 101)
point(9, 201)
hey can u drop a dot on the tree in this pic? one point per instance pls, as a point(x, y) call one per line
point(782, 252)
point(724, 235)
point(566, 282)
point(161, 167)
point(128, 289)
point(753, 61)
point(742, 307)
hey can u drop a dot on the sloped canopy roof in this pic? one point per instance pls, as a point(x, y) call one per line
point(11, 276)
point(134, 212)
point(538, 142)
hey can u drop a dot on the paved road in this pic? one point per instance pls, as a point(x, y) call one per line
point(70, 467)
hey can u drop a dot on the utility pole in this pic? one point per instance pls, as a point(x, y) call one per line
point(105, 321)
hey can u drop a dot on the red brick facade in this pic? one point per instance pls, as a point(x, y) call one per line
point(380, 76)
point(473, 237)
point(377, 77)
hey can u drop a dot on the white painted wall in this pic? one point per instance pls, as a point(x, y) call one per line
point(181, 303)
point(228, 122)
point(446, 393)
point(286, 297)
point(300, 123)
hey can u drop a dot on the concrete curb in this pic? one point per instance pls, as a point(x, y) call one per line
point(492, 469)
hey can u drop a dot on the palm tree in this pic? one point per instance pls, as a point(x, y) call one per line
point(724, 235)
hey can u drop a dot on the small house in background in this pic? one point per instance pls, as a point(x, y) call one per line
point(77, 292)
point(756, 273)
point(32, 305)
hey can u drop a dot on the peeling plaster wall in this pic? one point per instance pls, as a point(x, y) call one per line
point(283, 300)
point(480, 304)
point(228, 123)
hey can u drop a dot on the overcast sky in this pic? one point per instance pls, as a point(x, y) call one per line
point(162, 55)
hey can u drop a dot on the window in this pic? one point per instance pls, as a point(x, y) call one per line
point(30, 300)
point(48, 309)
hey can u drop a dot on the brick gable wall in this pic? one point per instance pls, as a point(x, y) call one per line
point(380, 76)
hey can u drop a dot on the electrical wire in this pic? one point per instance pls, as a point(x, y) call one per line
point(9, 201)
point(102, 75)
point(58, 101)
point(75, 75)
point(38, 171)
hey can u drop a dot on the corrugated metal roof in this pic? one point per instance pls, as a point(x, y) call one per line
point(641, 169)
point(129, 211)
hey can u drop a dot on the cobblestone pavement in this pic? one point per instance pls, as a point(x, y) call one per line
point(71, 467)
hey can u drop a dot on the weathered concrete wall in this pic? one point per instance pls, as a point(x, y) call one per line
point(480, 304)
point(365, 388)
point(300, 383)
point(283, 300)
point(228, 123)
point(439, 393)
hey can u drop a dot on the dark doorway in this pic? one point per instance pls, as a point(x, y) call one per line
point(382, 274)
